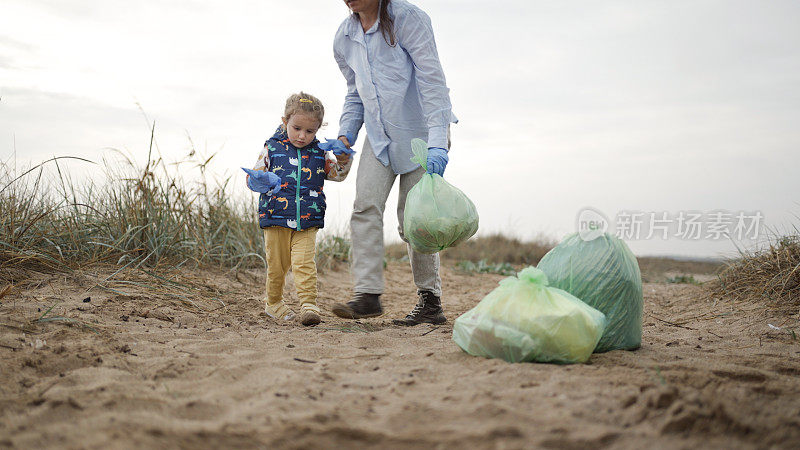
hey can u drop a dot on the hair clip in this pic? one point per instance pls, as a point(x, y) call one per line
point(305, 100)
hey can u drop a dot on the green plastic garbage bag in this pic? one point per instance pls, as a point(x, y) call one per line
point(604, 273)
point(437, 214)
point(524, 319)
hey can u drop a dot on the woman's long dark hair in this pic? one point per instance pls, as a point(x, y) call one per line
point(386, 23)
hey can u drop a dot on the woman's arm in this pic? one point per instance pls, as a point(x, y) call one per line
point(415, 36)
point(353, 110)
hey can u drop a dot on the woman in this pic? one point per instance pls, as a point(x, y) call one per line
point(396, 88)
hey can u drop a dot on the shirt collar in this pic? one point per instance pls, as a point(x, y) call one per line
point(354, 28)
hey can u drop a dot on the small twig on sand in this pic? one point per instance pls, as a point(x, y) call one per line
point(305, 360)
point(714, 334)
point(371, 356)
point(430, 331)
point(47, 388)
point(670, 323)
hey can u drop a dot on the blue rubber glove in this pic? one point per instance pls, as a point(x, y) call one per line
point(336, 146)
point(437, 160)
point(263, 182)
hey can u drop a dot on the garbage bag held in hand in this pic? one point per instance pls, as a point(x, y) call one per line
point(603, 273)
point(524, 319)
point(437, 214)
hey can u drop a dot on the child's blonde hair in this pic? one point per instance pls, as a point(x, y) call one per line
point(305, 104)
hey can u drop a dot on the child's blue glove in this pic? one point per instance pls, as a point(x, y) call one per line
point(437, 160)
point(263, 182)
point(336, 146)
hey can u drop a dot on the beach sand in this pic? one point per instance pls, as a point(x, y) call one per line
point(200, 366)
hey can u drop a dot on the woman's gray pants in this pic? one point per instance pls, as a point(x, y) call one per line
point(373, 183)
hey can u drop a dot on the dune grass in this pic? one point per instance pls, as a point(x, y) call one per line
point(333, 247)
point(146, 216)
point(771, 273)
point(492, 249)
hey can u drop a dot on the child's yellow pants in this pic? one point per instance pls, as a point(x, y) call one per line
point(296, 249)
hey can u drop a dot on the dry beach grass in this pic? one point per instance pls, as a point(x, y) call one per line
point(771, 274)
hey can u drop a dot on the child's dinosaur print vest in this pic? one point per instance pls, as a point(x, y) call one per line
point(300, 204)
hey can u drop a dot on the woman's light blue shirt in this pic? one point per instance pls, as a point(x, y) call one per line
point(398, 92)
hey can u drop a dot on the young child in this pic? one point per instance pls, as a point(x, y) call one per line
point(289, 174)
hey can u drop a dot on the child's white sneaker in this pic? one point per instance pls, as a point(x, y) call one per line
point(279, 311)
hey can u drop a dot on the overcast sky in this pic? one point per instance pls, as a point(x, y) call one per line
point(651, 106)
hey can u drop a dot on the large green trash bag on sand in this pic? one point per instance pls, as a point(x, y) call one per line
point(604, 273)
point(524, 319)
point(437, 215)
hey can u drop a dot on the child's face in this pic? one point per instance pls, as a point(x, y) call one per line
point(301, 129)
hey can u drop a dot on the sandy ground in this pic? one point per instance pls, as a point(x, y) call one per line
point(145, 368)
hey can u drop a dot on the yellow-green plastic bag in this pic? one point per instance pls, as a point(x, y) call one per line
point(524, 319)
point(437, 214)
